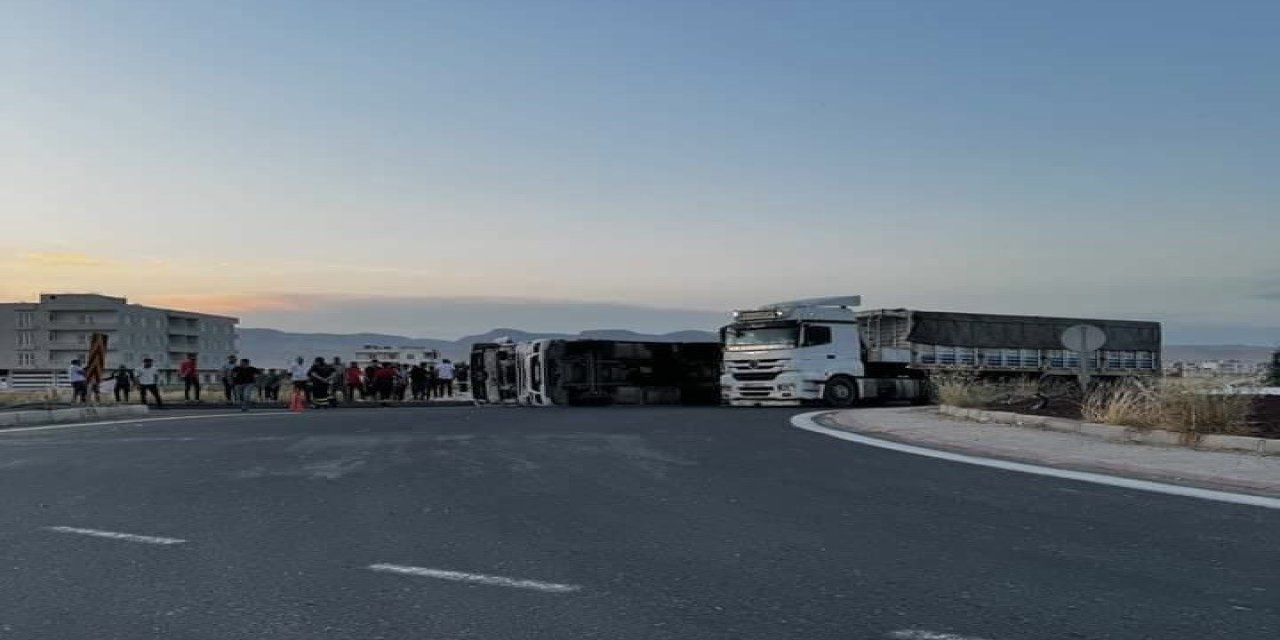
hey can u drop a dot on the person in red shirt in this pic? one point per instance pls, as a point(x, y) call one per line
point(190, 374)
point(355, 381)
point(384, 382)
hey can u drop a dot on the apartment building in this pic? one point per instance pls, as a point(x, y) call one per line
point(39, 339)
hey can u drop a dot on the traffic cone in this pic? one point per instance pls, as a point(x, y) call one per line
point(296, 404)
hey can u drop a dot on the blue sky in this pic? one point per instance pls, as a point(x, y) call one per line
point(1087, 158)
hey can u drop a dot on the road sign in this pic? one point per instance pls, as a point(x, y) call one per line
point(1084, 339)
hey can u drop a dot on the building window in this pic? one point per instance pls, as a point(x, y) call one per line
point(26, 359)
point(82, 338)
point(26, 339)
point(53, 336)
point(25, 319)
point(86, 318)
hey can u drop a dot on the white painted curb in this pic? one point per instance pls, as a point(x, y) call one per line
point(76, 414)
point(1113, 433)
point(807, 422)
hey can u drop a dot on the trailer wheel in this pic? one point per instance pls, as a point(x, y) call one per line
point(840, 392)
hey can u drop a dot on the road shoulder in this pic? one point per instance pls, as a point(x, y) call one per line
point(924, 427)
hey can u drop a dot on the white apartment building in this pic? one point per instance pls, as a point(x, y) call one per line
point(39, 339)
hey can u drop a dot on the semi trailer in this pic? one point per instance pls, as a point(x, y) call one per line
point(823, 350)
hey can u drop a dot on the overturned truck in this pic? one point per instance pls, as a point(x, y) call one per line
point(596, 372)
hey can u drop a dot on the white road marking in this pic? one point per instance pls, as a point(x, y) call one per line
point(116, 535)
point(74, 425)
point(476, 578)
point(806, 421)
point(923, 634)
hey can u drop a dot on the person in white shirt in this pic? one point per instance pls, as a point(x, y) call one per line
point(79, 384)
point(299, 374)
point(148, 378)
point(445, 374)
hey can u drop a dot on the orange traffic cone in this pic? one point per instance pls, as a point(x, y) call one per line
point(296, 404)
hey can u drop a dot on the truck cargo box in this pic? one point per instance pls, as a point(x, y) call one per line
point(1003, 343)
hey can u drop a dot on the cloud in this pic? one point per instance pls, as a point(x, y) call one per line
point(59, 259)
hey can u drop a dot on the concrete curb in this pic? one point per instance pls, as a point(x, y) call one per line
point(1113, 433)
point(79, 414)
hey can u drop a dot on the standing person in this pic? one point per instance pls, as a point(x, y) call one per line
point(384, 381)
point(321, 375)
point(370, 372)
point(271, 390)
point(339, 380)
point(417, 382)
point(123, 382)
point(446, 373)
point(244, 377)
point(149, 380)
point(79, 383)
point(298, 376)
point(189, 371)
point(402, 382)
point(228, 385)
point(433, 381)
point(355, 381)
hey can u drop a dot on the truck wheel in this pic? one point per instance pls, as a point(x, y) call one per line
point(840, 392)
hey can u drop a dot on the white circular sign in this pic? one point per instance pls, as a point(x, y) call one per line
point(1083, 338)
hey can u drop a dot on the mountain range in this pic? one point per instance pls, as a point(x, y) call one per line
point(270, 346)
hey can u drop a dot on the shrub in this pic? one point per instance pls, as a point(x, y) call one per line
point(968, 390)
point(1180, 404)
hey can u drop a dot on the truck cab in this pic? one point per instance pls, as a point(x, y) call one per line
point(786, 353)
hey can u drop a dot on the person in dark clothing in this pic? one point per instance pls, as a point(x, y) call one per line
point(320, 375)
point(123, 379)
point(370, 372)
point(244, 380)
point(417, 382)
point(271, 390)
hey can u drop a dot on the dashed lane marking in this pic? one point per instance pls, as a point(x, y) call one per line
point(476, 578)
point(116, 535)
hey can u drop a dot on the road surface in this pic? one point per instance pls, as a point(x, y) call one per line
point(630, 523)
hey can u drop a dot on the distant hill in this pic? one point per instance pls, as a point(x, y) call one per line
point(271, 347)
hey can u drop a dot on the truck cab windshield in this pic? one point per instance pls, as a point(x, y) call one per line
point(768, 336)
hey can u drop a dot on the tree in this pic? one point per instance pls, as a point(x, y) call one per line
point(1273, 378)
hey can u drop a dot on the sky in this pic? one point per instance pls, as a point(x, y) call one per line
point(440, 168)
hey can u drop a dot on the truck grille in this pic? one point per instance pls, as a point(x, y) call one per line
point(754, 376)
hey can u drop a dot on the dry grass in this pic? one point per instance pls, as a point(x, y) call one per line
point(965, 390)
point(1178, 404)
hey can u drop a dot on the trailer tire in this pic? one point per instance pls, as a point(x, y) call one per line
point(840, 392)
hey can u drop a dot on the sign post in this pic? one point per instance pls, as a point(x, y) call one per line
point(1084, 339)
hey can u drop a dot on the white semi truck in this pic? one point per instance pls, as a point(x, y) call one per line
point(822, 350)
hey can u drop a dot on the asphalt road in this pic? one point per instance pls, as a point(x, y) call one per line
point(579, 523)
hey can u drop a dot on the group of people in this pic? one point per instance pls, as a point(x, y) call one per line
point(319, 383)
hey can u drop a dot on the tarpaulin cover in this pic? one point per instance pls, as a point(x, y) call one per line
point(1025, 332)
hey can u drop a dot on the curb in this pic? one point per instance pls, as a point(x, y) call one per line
point(1113, 433)
point(1110, 477)
point(80, 414)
